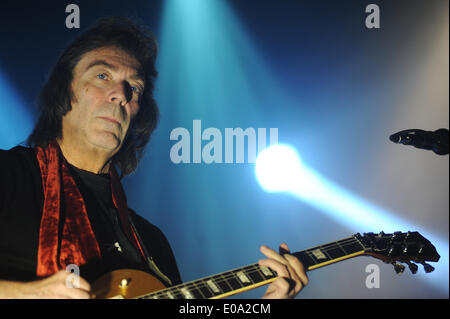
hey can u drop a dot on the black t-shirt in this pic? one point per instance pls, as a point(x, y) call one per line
point(21, 201)
point(116, 250)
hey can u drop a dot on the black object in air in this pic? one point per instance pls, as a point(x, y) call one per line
point(436, 141)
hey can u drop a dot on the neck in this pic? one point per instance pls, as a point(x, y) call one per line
point(253, 276)
point(84, 157)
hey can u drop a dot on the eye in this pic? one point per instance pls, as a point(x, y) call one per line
point(102, 76)
point(136, 89)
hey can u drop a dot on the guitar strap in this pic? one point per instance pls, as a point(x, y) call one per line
point(151, 264)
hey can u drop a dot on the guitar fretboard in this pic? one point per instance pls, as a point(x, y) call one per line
point(253, 276)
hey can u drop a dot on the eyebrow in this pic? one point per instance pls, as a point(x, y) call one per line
point(112, 67)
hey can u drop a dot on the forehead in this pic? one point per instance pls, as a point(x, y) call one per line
point(115, 57)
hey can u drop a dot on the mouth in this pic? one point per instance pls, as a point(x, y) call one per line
point(110, 119)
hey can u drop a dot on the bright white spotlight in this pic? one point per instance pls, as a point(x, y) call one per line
point(278, 168)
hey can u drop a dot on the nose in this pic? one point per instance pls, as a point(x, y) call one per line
point(121, 93)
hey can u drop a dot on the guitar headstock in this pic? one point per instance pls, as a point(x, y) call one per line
point(409, 248)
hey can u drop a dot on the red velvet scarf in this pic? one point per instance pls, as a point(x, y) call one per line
point(64, 209)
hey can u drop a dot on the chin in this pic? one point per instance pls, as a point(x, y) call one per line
point(107, 142)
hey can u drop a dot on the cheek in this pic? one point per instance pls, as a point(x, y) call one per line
point(84, 106)
point(90, 97)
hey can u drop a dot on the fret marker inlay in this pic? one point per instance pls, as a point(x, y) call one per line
point(266, 271)
point(187, 293)
point(213, 286)
point(242, 277)
point(319, 254)
point(169, 294)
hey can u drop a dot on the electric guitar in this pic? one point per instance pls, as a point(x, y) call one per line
point(393, 248)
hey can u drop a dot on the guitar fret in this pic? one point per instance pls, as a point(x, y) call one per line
point(190, 289)
point(187, 293)
point(195, 291)
point(170, 295)
point(334, 250)
point(234, 282)
point(210, 283)
point(306, 259)
point(315, 256)
point(201, 295)
point(352, 247)
point(178, 293)
point(310, 254)
point(267, 272)
point(205, 290)
point(224, 285)
point(337, 244)
point(243, 278)
point(256, 275)
point(325, 251)
point(328, 252)
point(319, 254)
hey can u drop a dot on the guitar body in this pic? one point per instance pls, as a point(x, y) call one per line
point(125, 284)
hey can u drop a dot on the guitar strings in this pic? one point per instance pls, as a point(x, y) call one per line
point(229, 275)
point(254, 268)
point(201, 283)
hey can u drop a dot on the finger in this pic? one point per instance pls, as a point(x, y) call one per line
point(283, 267)
point(84, 284)
point(280, 268)
point(299, 284)
point(283, 249)
point(294, 279)
point(75, 281)
point(298, 268)
point(286, 266)
point(270, 253)
point(73, 286)
point(75, 293)
point(287, 272)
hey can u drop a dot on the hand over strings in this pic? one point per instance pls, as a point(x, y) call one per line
point(291, 273)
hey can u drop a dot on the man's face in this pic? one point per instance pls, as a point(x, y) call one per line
point(106, 87)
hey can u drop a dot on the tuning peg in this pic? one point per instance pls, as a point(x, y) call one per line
point(399, 268)
point(412, 266)
point(427, 267)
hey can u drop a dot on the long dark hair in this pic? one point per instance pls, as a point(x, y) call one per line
point(55, 97)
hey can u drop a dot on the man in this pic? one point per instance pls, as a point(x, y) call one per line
point(61, 201)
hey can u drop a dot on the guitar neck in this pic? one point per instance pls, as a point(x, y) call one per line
point(252, 276)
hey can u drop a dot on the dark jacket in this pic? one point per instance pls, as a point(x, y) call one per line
point(21, 201)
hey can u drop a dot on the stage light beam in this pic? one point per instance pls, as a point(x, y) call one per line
point(16, 121)
point(278, 168)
